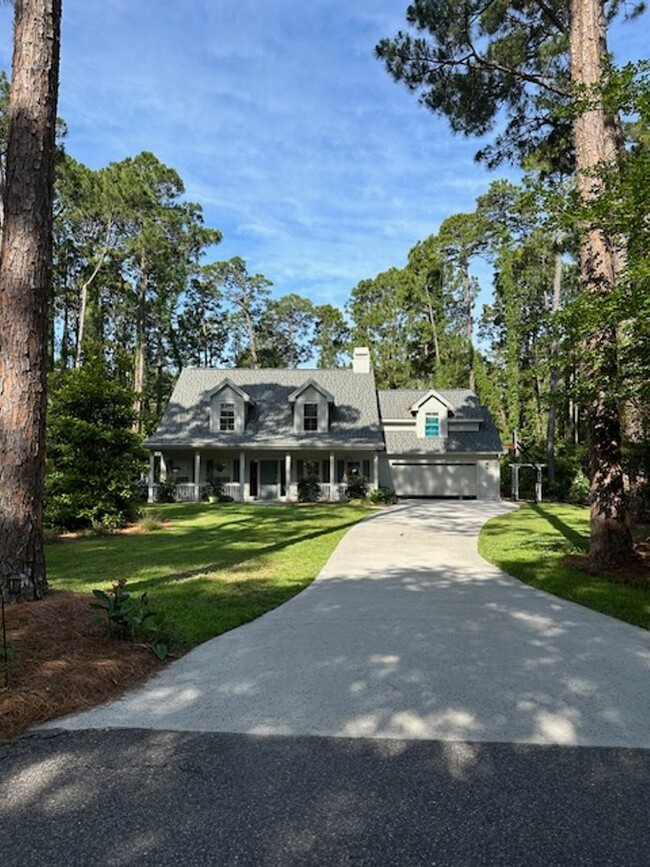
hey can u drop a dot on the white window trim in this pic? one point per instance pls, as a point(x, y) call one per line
point(231, 417)
point(435, 417)
point(313, 417)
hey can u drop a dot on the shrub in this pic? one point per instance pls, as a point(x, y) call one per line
point(165, 492)
point(385, 496)
point(213, 488)
point(150, 523)
point(571, 465)
point(579, 490)
point(93, 455)
point(133, 618)
point(357, 487)
point(308, 489)
point(207, 491)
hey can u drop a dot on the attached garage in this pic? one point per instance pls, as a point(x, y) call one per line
point(434, 479)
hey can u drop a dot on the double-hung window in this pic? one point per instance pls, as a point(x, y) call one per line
point(432, 424)
point(227, 417)
point(310, 416)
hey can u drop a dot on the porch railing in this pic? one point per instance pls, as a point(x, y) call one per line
point(332, 492)
point(188, 492)
point(232, 489)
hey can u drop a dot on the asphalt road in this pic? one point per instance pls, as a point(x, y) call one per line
point(132, 797)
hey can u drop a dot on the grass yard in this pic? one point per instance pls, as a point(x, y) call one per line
point(213, 567)
point(210, 567)
point(532, 543)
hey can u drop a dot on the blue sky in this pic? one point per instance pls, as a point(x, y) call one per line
point(318, 169)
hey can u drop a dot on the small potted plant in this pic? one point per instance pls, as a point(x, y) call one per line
point(209, 493)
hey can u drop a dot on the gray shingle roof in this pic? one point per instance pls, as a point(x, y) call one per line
point(397, 402)
point(395, 405)
point(354, 419)
point(480, 441)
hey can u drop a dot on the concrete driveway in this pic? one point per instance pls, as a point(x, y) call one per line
point(408, 633)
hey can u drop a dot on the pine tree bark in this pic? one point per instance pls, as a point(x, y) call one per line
point(556, 303)
point(469, 325)
point(139, 366)
point(596, 138)
point(25, 276)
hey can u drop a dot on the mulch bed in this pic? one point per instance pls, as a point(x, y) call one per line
point(637, 574)
point(63, 661)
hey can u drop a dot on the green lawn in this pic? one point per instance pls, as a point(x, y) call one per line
point(215, 567)
point(530, 544)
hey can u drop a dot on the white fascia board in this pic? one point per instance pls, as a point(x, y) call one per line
point(228, 383)
point(311, 383)
point(432, 393)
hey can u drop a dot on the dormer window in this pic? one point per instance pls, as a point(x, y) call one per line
point(311, 404)
point(228, 408)
point(310, 416)
point(226, 417)
point(432, 424)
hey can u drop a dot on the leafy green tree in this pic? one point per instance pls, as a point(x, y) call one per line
point(331, 336)
point(437, 342)
point(201, 335)
point(425, 262)
point(94, 458)
point(382, 313)
point(248, 295)
point(89, 231)
point(531, 59)
point(164, 239)
point(461, 239)
point(287, 332)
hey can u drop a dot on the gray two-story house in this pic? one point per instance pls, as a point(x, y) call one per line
point(258, 431)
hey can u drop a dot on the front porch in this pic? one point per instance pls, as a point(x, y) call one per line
point(248, 476)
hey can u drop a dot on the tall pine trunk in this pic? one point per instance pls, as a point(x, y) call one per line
point(556, 303)
point(139, 365)
point(25, 276)
point(250, 329)
point(596, 145)
point(469, 324)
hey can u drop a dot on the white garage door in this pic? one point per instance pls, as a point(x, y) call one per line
point(434, 480)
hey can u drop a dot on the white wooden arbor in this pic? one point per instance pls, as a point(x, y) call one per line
point(516, 467)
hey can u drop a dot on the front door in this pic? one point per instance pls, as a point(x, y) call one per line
point(268, 480)
point(253, 479)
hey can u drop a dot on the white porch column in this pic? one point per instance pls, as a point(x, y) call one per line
point(287, 473)
point(150, 494)
point(375, 470)
point(333, 478)
point(163, 467)
point(197, 476)
point(245, 486)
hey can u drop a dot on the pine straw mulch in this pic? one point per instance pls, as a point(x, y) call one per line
point(637, 573)
point(62, 661)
